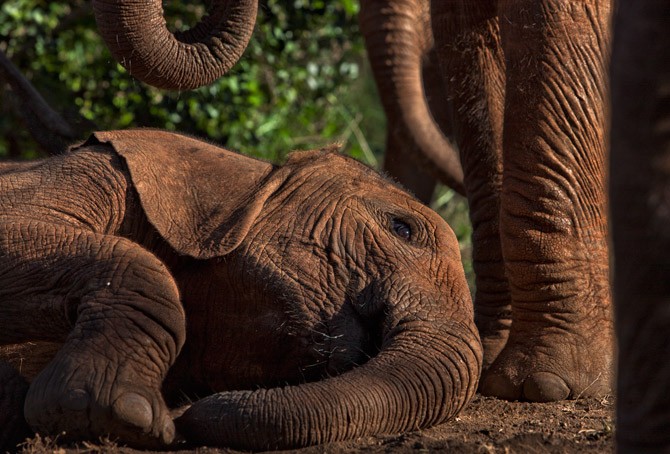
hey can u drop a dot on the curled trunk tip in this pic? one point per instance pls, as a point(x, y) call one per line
point(137, 35)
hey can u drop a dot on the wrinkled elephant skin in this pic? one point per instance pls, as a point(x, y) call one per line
point(399, 43)
point(159, 267)
point(138, 37)
point(527, 80)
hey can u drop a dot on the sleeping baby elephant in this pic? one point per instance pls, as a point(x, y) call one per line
point(164, 267)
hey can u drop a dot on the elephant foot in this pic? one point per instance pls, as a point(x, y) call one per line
point(544, 365)
point(84, 398)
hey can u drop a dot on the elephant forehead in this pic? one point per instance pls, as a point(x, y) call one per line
point(326, 178)
point(329, 158)
point(328, 168)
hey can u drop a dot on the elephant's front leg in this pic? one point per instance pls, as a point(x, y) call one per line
point(553, 207)
point(467, 43)
point(117, 310)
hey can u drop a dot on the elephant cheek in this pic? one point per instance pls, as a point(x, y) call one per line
point(271, 351)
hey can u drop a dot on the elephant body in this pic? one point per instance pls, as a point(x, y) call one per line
point(158, 266)
point(640, 222)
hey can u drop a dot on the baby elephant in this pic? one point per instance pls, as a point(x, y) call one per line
point(165, 267)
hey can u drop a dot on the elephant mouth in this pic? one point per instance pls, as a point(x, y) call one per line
point(349, 342)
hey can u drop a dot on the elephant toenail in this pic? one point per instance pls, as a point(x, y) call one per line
point(499, 386)
point(545, 387)
point(75, 400)
point(134, 409)
point(168, 432)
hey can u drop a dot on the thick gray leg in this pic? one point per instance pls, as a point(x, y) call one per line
point(117, 310)
point(467, 42)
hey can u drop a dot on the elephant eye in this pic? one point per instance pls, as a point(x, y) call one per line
point(402, 229)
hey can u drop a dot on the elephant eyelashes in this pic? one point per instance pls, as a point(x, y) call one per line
point(402, 229)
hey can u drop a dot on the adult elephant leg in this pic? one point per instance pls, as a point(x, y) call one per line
point(640, 197)
point(553, 214)
point(467, 43)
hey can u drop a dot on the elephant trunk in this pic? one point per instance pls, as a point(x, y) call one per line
point(137, 35)
point(424, 374)
point(398, 38)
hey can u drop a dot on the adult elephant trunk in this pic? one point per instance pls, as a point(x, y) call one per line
point(424, 374)
point(398, 38)
point(137, 35)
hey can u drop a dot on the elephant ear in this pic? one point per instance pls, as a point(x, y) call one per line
point(201, 199)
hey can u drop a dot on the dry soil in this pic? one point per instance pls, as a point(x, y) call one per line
point(487, 425)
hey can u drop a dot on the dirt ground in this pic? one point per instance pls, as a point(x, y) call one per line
point(487, 425)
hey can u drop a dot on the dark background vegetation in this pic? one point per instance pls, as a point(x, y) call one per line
point(302, 83)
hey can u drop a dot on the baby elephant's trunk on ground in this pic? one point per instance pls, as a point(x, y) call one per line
point(424, 374)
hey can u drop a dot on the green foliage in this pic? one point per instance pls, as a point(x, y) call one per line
point(294, 88)
point(302, 83)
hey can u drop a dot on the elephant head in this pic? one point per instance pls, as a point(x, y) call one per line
point(136, 33)
point(326, 266)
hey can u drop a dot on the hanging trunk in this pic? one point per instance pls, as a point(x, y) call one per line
point(137, 36)
point(397, 37)
point(424, 374)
